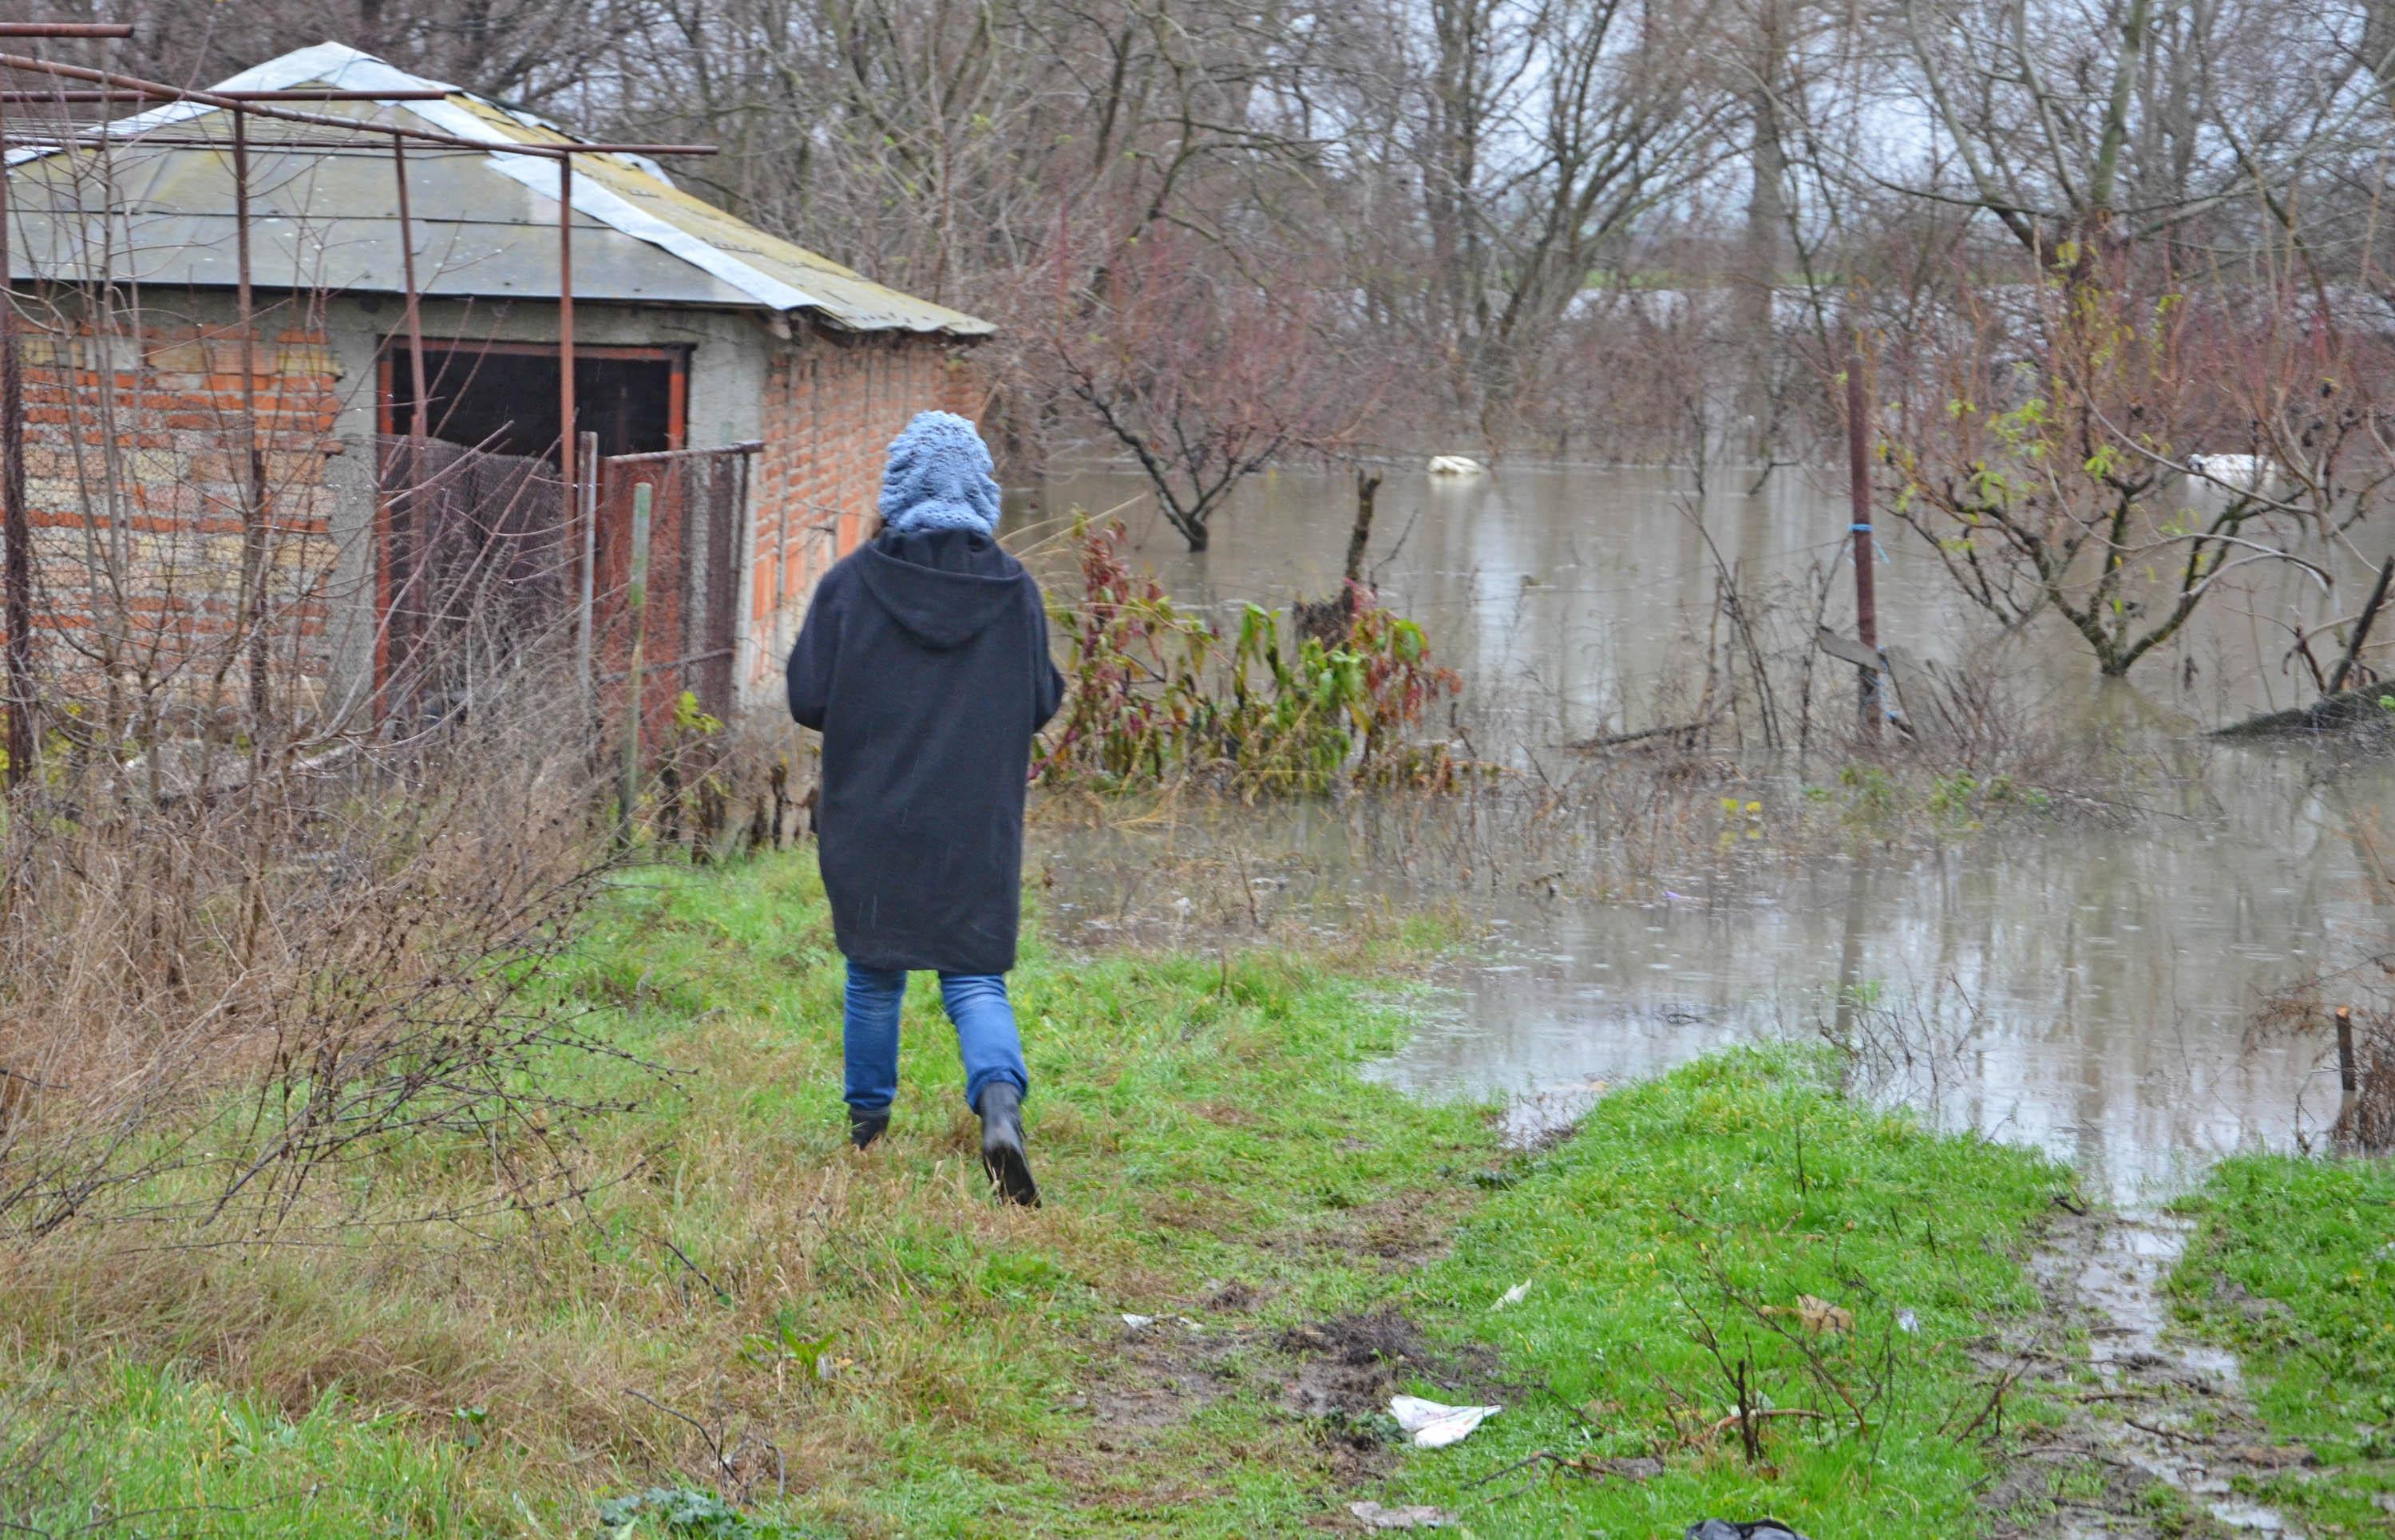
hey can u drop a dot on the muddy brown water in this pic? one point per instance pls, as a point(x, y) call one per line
point(2083, 986)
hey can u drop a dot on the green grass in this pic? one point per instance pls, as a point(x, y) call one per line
point(1196, 1122)
point(150, 1451)
point(1703, 1206)
point(2292, 1265)
point(881, 1350)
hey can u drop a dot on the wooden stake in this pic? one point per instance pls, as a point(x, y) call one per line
point(1368, 486)
point(2348, 1078)
point(1859, 526)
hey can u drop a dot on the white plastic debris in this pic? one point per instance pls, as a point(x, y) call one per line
point(1434, 1425)
point(1415, 1516)
point(1907, 1322)
point(1138, 1323)
point(1514, 1295)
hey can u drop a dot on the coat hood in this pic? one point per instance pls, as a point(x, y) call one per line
point(943, 587)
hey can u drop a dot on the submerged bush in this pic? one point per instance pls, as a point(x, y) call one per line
point(1155, 693)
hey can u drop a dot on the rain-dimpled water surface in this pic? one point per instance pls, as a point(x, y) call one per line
point(2087, 985)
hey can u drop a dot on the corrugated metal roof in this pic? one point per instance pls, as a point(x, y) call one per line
point(484, 223)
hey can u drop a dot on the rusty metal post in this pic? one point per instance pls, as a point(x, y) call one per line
point(586, 601)
point(158, 92)
point(252, 616)
point(65, 29)
point(567, 444)
point(1859, 492)
point(16, 522)
point(414, 318)
point(409, 500)
point(79, 96)
point(16, 530)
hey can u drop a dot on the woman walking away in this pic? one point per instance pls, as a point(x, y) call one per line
point(925, 664)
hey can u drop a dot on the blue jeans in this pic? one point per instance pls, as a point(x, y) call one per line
point(985, 1035)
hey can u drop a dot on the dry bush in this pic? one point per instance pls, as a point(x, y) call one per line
point(315, 793)
point(217, 998)
point(2345, 1010)
point(2365, 1116)
point(748, 786)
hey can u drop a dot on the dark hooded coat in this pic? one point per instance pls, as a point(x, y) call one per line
point(924, 661)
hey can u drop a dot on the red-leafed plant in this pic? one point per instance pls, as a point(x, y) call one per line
point(1155, 693)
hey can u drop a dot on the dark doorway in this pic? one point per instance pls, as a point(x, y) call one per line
point(502, 398)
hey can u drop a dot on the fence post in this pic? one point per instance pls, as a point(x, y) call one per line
point(16, 533)
point(587, 514)
point(636, 605)
point(1860, 527)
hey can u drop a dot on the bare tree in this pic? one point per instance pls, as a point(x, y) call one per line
point(2054, 459)
point(1205, 377)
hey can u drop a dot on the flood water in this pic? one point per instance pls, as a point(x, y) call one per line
point(2086, 985)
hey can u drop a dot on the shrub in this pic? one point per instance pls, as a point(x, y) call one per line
point(1153, 693)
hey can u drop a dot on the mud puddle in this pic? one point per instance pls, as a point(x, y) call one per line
point(2161, 1440)
point(1335, 1374)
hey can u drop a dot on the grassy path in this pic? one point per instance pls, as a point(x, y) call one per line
point(801, 1341)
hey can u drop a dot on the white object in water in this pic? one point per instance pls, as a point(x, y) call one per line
point(1456, 465)
point(1434, 1425)
point(2238, 472)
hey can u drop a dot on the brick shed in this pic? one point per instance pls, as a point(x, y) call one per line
point(693, 329)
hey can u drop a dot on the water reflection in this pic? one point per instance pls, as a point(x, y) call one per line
point(1573, 589)
point(2084, 991)
point(2079, 986)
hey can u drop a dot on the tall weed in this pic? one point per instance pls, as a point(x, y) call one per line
point(1157, 694)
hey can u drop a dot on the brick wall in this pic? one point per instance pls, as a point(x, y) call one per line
point(140, 574)
point(832, 405)
point(136, 463)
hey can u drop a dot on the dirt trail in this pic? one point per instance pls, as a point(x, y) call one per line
point(2163, 1430)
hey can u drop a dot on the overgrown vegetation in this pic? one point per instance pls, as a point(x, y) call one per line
point(2292, 1265)
point(237, 984)
point(757, 1332)
point(2053, 447)
point(1196, 1122)
point(1155, 693)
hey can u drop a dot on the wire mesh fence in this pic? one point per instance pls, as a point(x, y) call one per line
point(477, 574)
point(698, 510)
point(483, 574)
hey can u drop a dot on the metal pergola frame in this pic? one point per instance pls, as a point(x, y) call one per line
point(108, 88)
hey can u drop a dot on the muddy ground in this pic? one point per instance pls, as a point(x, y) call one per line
point(2159, 1441)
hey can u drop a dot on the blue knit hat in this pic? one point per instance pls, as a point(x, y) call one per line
point(939, 477)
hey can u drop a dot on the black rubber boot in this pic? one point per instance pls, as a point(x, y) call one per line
point(866, 1127)
point(1002, 1144)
